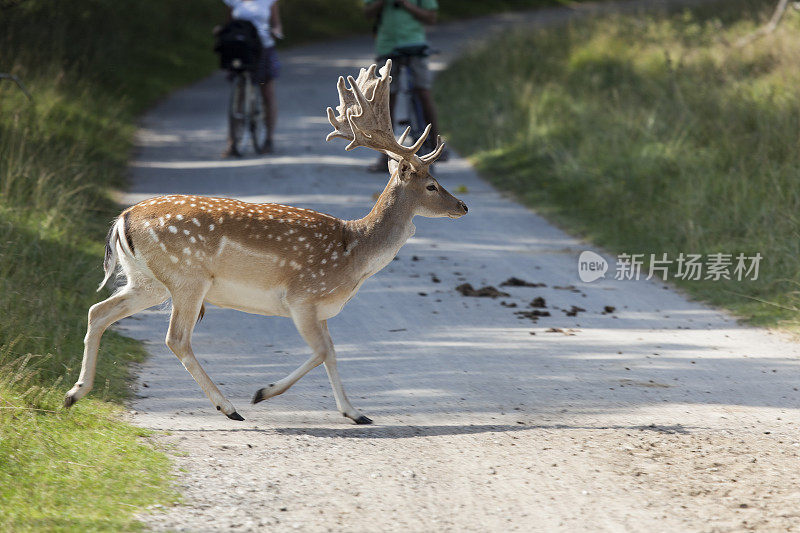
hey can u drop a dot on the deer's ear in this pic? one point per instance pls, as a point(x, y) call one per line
point(403, 168)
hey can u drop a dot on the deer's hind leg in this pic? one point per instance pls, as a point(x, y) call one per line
point(186, 307)
point(128, 301)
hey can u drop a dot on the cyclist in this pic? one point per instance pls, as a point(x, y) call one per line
point(265, 17)
point(400, 25)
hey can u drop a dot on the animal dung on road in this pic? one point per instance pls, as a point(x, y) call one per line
point(573, 311)
point(466, 289)
point(517, 282)
point(538, 302)
point(532, 315)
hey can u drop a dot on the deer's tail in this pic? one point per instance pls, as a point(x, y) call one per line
point(117, 230)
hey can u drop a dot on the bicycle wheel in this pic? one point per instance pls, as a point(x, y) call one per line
point(258, 126)
point(237, 111)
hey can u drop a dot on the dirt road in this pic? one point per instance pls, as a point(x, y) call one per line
point(661, 415)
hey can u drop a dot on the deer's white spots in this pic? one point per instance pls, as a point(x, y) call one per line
point(196, 222)
point(283, 262)
point(314, 276)
point(146, 224)
point(211, 227)
point(335, 255)
point(294, 264)
point(202, 238)
point(186, 232)
point(220, 220)
point(173, 259)
point(160, 221)
point(153, 235)
point(324, 261)
point(173, 229)
point(187, 251)
point(162, 246)
point(168, 216)
point(301, 239)
point(179, 217)
point(192, 205)
point(192, 240)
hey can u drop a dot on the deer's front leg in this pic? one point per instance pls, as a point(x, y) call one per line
point(342, 403)
point(315, 333)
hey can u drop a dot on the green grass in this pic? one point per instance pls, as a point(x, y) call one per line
point(649, 134)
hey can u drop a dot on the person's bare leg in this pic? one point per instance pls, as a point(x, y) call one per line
point(270, 110)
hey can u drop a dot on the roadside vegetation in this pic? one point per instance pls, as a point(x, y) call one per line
point(92, 67)
point(649, 134)
point(342, 18)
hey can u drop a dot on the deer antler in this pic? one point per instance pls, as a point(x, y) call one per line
point(364, 119)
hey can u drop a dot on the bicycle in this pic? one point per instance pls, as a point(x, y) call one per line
point(407, 103)
point(246, 111)
point(407, 110)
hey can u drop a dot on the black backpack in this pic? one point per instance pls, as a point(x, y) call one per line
point(238, 45)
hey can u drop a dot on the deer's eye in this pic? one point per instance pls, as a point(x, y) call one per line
point(431, 187)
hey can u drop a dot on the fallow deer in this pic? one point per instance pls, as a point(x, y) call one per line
point(269, 259)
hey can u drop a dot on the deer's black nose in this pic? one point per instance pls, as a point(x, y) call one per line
point(463, 206)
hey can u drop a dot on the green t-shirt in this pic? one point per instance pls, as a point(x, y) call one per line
point(398, 27)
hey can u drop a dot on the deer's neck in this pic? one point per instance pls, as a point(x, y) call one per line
point(381, 233)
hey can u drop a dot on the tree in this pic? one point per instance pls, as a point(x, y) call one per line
point(769, 27)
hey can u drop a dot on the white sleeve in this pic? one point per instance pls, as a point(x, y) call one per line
point(231, 3)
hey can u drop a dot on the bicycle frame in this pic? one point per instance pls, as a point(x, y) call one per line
point(407, 101)
point(246, 111)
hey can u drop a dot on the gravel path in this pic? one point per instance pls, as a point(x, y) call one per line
point(663, 414)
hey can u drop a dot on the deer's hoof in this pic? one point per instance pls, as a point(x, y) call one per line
point(363, 420)
point(68, 401)
point(235, 416)
point(259, 396)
